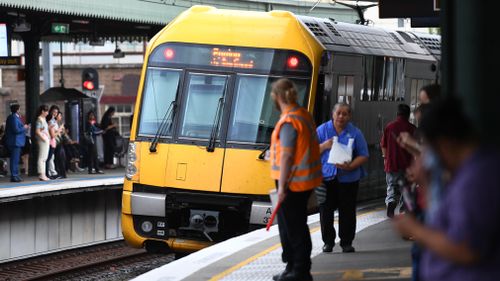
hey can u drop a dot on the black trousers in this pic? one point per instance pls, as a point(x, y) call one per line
point(109, 148)
point(60, 160)
point(92, 161)
point(294, 232)
point(341, 196)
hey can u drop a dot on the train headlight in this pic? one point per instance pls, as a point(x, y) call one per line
point(210, 221)
point(132, 156)
point(147, 226)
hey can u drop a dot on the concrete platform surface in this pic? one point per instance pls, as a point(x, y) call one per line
point(381, 255)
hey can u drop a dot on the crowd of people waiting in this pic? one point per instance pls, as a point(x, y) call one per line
point(442, 185)
point(57, 151)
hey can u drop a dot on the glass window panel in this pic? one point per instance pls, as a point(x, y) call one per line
point(203, 94)
point(400, 80)
point(349, 89)
point(341, 88)
point(254, 114)
point(389, 79)
point(366, 91)
point(159, 92)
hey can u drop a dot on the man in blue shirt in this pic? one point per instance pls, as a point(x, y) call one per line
point(340, 181)
point(15, 141)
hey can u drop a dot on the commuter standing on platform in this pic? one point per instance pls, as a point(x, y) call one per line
point(92, 130)
point(43, 139)
point(396, 159)
point(296, 168)
point(340, 181)
point(53, 132)
point(15, 140)
point(460, 240)
point(109, 135)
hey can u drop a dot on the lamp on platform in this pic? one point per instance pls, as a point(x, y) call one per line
point(118, 54)
point(21, 25)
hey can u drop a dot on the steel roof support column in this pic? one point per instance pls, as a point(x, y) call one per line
point(32, 73)
point(472, 61)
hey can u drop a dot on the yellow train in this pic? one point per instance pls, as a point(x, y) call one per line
point(203, 117)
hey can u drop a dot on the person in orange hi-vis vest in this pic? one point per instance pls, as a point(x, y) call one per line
point(296, 168)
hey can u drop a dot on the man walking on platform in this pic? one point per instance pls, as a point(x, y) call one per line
point(396, 159)
point(15, 140)
point(296, 168)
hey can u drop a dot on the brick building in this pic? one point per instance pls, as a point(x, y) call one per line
point(120, 83)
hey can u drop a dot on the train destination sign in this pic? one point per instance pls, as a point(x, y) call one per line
point(229, 58)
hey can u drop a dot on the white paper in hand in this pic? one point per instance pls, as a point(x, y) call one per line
point(340, 153)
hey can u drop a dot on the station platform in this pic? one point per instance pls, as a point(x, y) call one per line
point(380, 255)
point(75, 182)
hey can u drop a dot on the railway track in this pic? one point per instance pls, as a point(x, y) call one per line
point(80, 263)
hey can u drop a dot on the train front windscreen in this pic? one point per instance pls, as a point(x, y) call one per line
point(205, 74)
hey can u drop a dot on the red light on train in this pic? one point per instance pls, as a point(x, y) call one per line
point(292, 62)
point(169, 53)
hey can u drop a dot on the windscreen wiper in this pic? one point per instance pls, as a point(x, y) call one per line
point(165, 126)
point(215, 126)
point(262, 155)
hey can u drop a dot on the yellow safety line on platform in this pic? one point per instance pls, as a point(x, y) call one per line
point(266, 251)
point(243, 263)
point(352, 274)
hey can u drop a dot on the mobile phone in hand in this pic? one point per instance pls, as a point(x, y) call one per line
point(408, 196)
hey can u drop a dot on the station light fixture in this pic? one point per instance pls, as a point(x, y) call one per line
point(118, 54)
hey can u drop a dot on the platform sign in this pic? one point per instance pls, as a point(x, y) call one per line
point(409, 8)
point(10, 60)
point(59, 28)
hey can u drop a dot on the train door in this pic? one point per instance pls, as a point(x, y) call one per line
point(195, 160)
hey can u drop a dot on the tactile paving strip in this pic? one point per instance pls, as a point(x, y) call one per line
point(270, 264)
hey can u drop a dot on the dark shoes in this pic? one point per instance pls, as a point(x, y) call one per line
point(294, 276)
point(348, 249)
point(390, 209)
point(16, 180)
point(328, 248)
point(96, 172)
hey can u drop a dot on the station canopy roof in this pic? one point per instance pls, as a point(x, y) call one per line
point(89, 20)
point(124, 20)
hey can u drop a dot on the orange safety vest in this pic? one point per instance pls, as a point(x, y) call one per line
point(306, 170)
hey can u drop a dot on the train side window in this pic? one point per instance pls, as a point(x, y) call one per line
point(367, 90)
point(399, 88)
point(383, 79)
point(345, 90)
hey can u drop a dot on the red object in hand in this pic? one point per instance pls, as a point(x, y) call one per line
point(271, 220)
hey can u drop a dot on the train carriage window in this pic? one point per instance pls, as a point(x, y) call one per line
point(399, 87)
point(345, 89)
point(202, 102)
point(159, 91)
point(383, 79)
point(253, 113)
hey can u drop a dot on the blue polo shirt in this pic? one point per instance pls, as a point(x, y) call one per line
point(326, 131)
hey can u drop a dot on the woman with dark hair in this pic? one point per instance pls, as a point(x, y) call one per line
point(59, 153)
point(109, 137)
point(43, 139)
point(91, 133)
point(53, 132)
